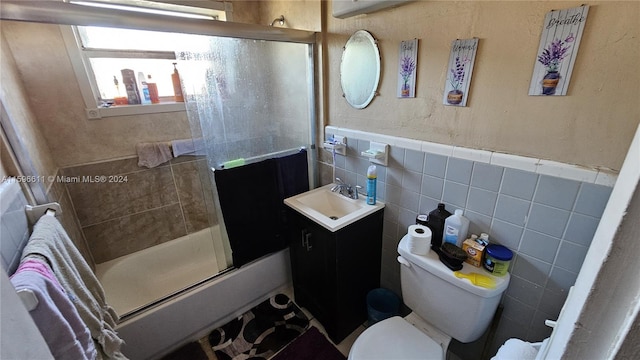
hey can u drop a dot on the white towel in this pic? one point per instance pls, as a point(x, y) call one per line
point(188, 147)
point(50, 240)
point(153, 154)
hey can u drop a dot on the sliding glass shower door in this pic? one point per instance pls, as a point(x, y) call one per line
point(248, 100)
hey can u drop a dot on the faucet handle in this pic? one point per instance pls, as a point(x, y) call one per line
point(356, 192)
point(339, 181)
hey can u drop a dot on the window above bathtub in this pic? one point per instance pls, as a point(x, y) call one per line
point(100, 54)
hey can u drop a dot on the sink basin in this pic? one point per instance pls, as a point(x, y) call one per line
point(330, 209)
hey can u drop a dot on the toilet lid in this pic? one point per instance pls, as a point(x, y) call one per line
point(394, 338)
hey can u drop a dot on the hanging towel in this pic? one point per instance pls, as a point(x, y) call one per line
point(153, 154)
point(188, 147)
point(55, 316)
point(293, 179)
point(249, 198)
point(50, 240)
point(293, 174)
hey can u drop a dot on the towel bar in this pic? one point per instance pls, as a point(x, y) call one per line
point(36, 212)
point(28, 298)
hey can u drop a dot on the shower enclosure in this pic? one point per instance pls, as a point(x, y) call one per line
point(249, 95)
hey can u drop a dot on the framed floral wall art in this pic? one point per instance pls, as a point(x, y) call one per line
point(407, 63)
point(558, 50)
point(461, 60)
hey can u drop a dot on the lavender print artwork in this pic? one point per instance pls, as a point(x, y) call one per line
point(557, 52)
point(462, 57)
point(406, 70)
point(407, 64)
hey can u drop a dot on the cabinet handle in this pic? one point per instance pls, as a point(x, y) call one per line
point(308, 241)
point(303, 237)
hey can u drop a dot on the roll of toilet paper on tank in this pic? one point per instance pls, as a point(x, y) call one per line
point(419, 239)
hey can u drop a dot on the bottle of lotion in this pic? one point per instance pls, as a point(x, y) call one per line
point(177, 87)
point(372, 178)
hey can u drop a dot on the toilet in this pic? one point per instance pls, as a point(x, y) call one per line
point(444, 307)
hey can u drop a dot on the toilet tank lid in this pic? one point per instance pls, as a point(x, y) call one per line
point(431, 263)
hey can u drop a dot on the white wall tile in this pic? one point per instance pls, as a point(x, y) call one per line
point(482, 156)
point(438, 149)
point(566, 171)
point(514, 161)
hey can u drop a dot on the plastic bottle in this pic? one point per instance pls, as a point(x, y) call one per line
point(455, 228)
point(435, 222)
point(145, 98)
point(131, 86)
point(119, 99)
point(372, 178)
point(153, 91)
point(177, 88)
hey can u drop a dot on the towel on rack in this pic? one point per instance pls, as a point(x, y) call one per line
point(152, 154)
point(50, 240)
point(55, 316)
point(188, 147)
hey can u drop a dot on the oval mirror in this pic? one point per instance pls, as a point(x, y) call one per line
point(360, 69)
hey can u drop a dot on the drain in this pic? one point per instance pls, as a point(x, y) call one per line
point(333, 217)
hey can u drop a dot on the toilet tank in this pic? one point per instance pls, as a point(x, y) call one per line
point(453, 305)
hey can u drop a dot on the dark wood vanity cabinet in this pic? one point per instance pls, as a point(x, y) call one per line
point(334, 271)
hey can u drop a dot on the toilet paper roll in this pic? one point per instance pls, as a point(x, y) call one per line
point(419, 239)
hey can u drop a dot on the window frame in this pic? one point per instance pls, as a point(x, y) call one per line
point(81, 64)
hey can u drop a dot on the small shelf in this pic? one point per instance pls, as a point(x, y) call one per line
point(337, 144)
point(378, 153)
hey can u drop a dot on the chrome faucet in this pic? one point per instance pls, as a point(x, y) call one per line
point(345, 189)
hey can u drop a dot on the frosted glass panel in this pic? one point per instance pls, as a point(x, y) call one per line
point(247, 97)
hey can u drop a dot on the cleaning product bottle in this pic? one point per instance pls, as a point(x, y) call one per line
point(455, 228)
point(145, 98)
point(435, 222)
point(177, 88)
point(153, 90)
point(372, 178)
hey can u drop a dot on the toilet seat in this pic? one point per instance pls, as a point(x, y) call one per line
point(395, 338)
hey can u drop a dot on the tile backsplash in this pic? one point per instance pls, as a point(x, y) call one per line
point(547, 221)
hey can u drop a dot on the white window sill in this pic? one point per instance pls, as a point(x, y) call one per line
point(124, 110)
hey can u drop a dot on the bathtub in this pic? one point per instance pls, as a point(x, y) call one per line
point(133, 281)
point(191, 314)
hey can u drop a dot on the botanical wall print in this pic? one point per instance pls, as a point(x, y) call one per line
point(558, 51)
point(461, 60)
point(407, 68)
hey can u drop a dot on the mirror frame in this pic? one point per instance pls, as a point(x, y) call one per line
point(346, 67)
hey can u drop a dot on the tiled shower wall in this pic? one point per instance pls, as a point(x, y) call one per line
point(151, 207)
point(547, 221)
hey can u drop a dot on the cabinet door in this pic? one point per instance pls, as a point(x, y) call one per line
point(309, 253)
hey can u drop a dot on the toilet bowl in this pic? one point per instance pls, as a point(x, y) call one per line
point(400, 338)
point(377, 342)
point(444, 307)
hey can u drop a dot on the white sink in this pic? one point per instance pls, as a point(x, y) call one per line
point(330, 209)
